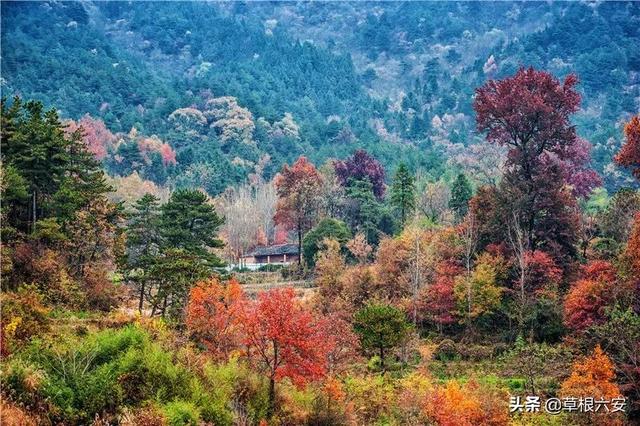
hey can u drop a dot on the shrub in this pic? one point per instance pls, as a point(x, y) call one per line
point(446, 350)
point(102, 293)
point(179, 413)
point(23, 317)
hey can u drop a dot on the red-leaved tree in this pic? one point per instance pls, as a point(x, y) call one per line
point(298, 190)
point(284, 340)
point(530, 114)
point(96, 136)
point(213, 316)
point(361, 166)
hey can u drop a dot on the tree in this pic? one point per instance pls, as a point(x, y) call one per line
point(361, 166)
point(629, 154)
point(434, 201)
point(592, 377)
point(284, 340)
point(530, 114)
point(327, 228)
point(620, 335)
point(190, 223)
point(403, 196)
point(298, 187)
point(460, 195)
point(359, 248)
point(616, 221)
point(588, 299)
point(173, 272)
point(241, 224)
point(478, 294)
point(143, 242)
point(99, 140)
point(330, 266)
point(363, 210)
point(34, 143)
point(381, 327)
point(213, 316)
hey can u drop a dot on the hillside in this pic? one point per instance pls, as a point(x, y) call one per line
point(384, 77)
point(320, 213)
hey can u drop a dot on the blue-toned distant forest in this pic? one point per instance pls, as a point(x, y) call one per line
point(351, 75)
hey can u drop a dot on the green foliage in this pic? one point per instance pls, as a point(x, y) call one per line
point(327, 228)
point(403, 196)
point(381, 327)
point(181, 413)
point(188, 222)
point(460, 195)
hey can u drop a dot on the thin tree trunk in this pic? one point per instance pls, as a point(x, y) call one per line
point(141, 302)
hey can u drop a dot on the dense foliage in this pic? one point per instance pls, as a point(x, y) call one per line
point(457, 250)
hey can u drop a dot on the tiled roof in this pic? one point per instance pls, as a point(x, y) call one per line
point(289, 249)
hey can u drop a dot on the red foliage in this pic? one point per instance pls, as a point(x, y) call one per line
point(97, 137)
point(599, 270)
point(587, 300)
point(629, 155)
point(529, 112)
point(585, 304)
point(281, 236)
point(284, 339)
point(342, 342)
point(542, 272)
point(213, 315)
point(574, 166)
point(298, 187)
point(438, 301)
point(153, 144)
point(361, 166)
point(168, 155)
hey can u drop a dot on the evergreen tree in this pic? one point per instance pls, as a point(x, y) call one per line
point(327, 228)
point(363, 209)
point(403, 196)
point(33, 142)
point(190, 223)
point(143, 242)
point(460, 195)
point(381, 327)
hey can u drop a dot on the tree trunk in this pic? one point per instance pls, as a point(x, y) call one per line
point(141, 302)
point(33, 224)
point(272, 397)
point(299, 244)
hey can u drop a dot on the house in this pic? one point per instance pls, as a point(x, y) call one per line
point(280, 254)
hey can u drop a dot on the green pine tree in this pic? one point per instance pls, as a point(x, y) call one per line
point(461, 193)
point(403, 196)
point(363, 209)
point(190, 223)
point(143, 243)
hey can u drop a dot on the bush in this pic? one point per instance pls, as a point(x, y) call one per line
point(270, 268)
point(23, 317)
point(446, 350)
point(102, 293)
point(179, 413)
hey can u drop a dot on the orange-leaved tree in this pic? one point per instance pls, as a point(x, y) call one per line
point(592, 377)
point(213, 316)
point(283, 339)
point(629, 154)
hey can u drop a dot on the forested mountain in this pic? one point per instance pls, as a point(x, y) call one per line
point(285, 79)
point(421, 213)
